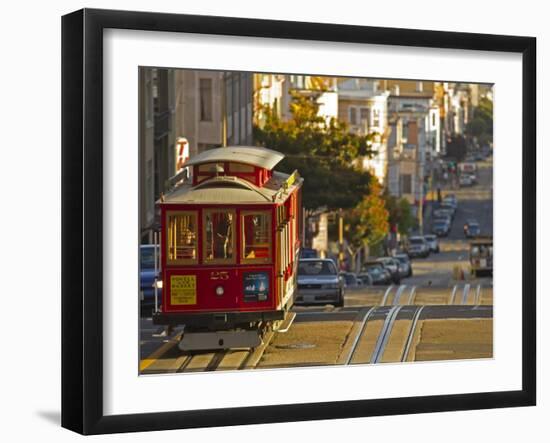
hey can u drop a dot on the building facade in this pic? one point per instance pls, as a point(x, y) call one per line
point(193, 108)
point(364, 108)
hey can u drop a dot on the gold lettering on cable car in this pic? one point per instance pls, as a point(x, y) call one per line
point(219, 275)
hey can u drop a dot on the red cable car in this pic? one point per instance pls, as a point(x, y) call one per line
point(230, 240)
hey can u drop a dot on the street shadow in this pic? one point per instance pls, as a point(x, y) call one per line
point(53, 417)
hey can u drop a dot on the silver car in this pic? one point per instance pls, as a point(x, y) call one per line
point(432, 242)
point(418, 247)
point(405, 268)
point(319, 282)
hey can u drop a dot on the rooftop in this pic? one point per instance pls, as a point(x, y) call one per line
point(232, 190)
point(251, 155)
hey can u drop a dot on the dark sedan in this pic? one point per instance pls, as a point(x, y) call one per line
point(378, 274)
point(147, 275)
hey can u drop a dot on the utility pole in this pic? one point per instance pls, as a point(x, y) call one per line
point(340, 239)
point(420, 178)
point(224, 110)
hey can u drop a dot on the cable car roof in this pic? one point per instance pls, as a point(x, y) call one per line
point(233, 190)
point(251, 155)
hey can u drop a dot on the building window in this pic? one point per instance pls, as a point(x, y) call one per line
point(256, 235)
point(376, 118)
point(406, 183)
point(364, 116)
point(182, 237)
point(206, 99)
point(352, 115)
point(433, 119)
point(219, 238)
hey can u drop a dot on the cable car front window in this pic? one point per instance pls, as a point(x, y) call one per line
point(182, 237)
point(219, 241)
point(256, 234)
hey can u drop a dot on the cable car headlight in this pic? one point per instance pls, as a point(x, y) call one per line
point(219, 291)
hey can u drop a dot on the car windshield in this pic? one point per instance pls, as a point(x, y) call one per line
point(321, 267)
point(430, 237)
point(402, 259)
point(350, 279)
point(147, 258)
point(374, 269)
point(417, 241)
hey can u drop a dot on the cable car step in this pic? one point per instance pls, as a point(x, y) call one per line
point(196, 341)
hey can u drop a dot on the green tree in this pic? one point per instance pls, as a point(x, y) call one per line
point(323, 150)
point(368, 222)
point(399, 213)
point(481, 126)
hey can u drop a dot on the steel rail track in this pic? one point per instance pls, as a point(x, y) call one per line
point(366, 317)
point(412, 330)
point(384, 335)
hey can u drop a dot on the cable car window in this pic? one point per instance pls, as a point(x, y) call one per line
point(256, 234)
point(182, 237)
point(240, 167)
point(219, 236)
point(211, 168)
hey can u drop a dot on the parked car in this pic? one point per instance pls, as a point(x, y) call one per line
point(365, 279)
point(443, 213)
point(351, 280)
point(472, 230)
point(470, 221)
point(450, 200)
point(376, 272)
point(418, 247)
point(392, 265)
point(433, 243)
point(308, 253)
point(405, 267)
point(465, 180)
point(319, 282)
point(441, 227)
point(449, 209)
point(147, 276)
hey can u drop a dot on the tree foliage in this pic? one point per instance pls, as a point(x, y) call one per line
point(323, 151)
point(367, 223)
point(481, 126)
point(399, 213)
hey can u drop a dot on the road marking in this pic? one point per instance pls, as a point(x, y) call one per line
point(411, 333)
point(390, 287)
point(148, 361)
point(384, 335)
point(289, 320)
point(465, 293)
point(478, 295)
point(253, 358)
point(411, 296)
point(398, 293)
point(359, 334)
point(453, 294)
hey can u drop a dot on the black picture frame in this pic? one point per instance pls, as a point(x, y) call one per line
point(82, 190)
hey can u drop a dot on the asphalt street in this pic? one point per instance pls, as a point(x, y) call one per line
point(437, 314)
point(474, 202)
